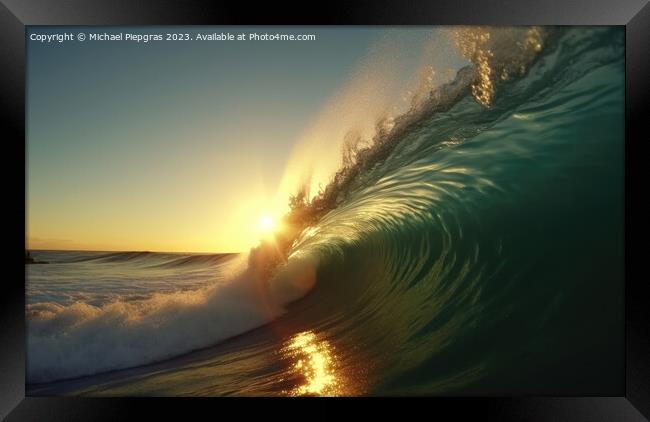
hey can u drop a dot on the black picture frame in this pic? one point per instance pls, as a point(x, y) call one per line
point(15, 15)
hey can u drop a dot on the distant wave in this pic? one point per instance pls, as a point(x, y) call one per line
point(153, 259)
point(194, 260)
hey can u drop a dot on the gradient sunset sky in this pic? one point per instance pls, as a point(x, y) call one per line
point(176, 146)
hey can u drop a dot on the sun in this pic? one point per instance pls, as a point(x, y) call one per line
point(266, 224)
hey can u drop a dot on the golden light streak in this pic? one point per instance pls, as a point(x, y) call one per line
point(316, 362)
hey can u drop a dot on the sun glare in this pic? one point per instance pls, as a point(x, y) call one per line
point(266, 224)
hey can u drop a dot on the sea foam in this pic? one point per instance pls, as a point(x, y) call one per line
point(79, 339)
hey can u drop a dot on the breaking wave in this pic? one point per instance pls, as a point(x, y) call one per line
point(465, 234)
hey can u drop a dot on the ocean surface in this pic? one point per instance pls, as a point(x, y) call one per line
point(482, 256)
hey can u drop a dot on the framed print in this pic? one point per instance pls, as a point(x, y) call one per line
point(424, 201)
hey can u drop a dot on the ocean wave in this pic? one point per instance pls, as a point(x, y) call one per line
point(473, 224)
point(68, 341)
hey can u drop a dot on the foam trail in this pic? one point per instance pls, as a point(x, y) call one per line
point(82, 339)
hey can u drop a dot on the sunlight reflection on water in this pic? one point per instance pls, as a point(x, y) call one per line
point(316, 363)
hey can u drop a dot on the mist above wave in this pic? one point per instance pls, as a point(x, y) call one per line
point(497, 55)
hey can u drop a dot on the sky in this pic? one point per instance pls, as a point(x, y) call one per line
point(182, 146)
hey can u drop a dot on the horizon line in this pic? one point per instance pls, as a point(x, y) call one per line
point(132, 250)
